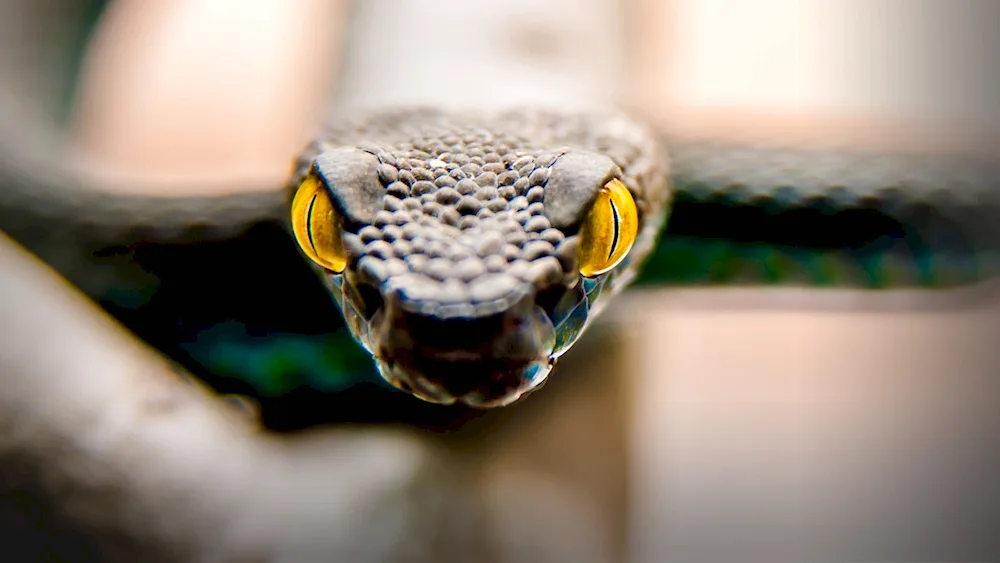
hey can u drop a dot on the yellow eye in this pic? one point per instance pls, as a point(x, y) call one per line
point(317, 225)
point(608, 231)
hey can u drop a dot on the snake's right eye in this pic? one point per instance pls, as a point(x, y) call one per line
point(317, 226)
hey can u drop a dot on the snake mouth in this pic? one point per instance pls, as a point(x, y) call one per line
point(482, 362)
point(487, 360)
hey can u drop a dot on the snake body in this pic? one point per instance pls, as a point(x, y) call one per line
point(462, 226)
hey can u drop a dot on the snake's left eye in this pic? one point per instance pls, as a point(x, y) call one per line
point(608, 231)
point(317, 225)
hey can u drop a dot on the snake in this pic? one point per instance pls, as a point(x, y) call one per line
point(467, 250)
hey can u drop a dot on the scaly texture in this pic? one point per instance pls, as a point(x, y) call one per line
point(462, 278)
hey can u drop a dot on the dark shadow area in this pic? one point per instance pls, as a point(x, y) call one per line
point(249, 317)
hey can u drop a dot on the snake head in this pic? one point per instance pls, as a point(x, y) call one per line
point(465, 261)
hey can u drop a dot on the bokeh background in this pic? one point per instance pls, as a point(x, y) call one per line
point(701, 424)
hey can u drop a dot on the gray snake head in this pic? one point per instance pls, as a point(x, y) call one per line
point(467, 252)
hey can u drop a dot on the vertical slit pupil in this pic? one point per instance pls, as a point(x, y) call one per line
point(309, 223)
point(614, 237)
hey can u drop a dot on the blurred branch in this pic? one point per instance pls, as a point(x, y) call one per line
point(131, 454)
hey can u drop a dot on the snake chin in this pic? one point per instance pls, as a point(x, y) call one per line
point(482, 362)
point(479, 385)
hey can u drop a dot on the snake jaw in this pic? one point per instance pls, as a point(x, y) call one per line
point(484, 361)
point(424, 388)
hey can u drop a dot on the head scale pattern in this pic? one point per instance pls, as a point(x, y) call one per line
point(461, 238)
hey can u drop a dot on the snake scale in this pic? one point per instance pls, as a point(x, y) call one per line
point(471, 249)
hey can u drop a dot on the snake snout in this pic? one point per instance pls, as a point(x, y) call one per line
point(489, 356)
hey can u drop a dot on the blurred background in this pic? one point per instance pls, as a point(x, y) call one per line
point(695, 424)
